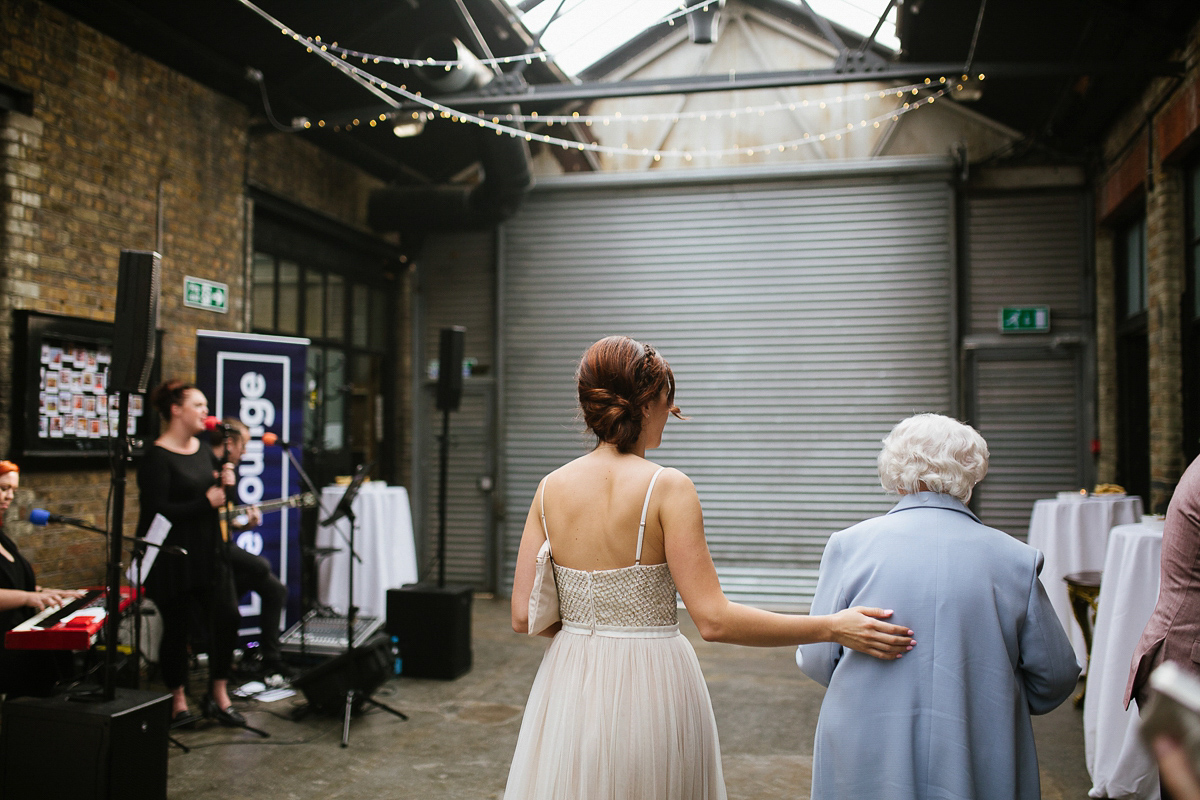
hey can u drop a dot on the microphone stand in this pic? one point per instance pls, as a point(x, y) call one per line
point(312, 487)
point(355, 695)
point(110, 637)
point(111, 627)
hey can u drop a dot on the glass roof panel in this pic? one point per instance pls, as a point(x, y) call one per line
point(580, 32)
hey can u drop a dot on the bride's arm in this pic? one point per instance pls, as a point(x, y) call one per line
point(721, 620)
point(531, 542)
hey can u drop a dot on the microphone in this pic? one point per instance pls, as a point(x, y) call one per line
point(40, 516)
point(214, 423)
point(270, 439)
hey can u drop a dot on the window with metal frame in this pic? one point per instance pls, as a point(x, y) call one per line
point(347, 322)
point(1133, 378)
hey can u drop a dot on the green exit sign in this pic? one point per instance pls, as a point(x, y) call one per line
point(1025, 319)
point(209, 295)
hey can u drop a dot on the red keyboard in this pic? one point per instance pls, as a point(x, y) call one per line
point(71, 626)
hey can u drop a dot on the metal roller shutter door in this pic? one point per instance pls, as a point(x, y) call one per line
point(457, 288)
point(802, 318)
point(1027, 249)
point(1028, 402)
point(1026, 409)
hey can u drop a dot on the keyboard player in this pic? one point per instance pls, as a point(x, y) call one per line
point(25, 672)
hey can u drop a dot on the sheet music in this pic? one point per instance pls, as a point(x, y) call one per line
point(160, 526)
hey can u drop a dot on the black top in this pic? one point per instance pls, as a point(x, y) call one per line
point(16, 574)
point(174, 485)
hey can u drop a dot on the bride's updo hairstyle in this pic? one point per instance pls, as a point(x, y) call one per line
point(617, 378)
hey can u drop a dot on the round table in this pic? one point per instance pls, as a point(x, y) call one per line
point(383, 537)
point(1072, 535)
point(1118, 762)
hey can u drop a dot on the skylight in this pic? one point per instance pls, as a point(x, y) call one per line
point(583, 31)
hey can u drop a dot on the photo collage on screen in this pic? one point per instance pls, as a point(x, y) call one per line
point(73, 398)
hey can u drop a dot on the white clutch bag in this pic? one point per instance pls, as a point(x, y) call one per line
point(543, 600)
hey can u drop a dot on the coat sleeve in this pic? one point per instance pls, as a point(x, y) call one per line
point(818, 660)
point(1047, 664)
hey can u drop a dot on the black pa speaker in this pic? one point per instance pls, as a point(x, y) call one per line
point(109, 750)
point(432, 627)
point(135, 322)
point(450, 359)
point(364, 669)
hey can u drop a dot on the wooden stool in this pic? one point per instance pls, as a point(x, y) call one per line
point(1083, 590)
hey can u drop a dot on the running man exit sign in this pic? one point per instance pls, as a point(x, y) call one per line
point(1025, 319)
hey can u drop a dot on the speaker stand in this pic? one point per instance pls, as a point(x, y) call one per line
point(354, 694)
point(362, 697)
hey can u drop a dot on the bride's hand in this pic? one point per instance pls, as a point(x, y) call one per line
point(859, 628)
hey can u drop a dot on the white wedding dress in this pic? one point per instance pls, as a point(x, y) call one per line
point(619, 709)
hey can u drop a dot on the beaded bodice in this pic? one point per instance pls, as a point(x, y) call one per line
point(637, 596)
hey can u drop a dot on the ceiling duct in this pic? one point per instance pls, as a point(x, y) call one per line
point(468, 73)
point(703, 22)
point(507, 177)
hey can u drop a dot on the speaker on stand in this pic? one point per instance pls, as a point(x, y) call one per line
point(135, 327)
point(136, 322)
point(432, 623)
point(449, 396)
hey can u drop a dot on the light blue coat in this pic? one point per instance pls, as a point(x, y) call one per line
point(951, 718)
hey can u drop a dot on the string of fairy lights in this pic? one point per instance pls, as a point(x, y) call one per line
point(922, 94)
point(527, 58)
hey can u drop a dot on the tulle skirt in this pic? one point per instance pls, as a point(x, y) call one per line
point(618, 714)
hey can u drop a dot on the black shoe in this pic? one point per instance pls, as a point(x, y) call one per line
point(185, 720)
point(228, 717)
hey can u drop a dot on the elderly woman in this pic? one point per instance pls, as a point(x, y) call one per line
point(952, 720)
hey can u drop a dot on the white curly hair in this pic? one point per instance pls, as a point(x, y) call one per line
point(931, 452)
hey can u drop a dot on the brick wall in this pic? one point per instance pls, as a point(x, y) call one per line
point(1164, 291)
point(1106, 359)
point(1166, 265)
point(310, 177)
point(118, 144)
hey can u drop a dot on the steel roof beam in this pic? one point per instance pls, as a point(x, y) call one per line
point(565, 93)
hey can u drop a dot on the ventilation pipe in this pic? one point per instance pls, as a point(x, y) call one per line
point(703, 22)
point(468, 73)
point(507, 177)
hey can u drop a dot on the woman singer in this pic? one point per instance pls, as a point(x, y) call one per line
point(176, 479)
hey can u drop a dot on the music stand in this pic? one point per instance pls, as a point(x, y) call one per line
point(357, 692)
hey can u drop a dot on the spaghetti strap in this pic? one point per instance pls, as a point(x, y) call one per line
point(544, 530)
point(641, 525)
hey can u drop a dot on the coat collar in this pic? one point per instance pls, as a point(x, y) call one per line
point(932, 500)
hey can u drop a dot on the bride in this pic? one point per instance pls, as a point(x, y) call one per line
point(619, 708)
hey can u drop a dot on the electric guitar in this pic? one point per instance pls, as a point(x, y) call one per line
point(231, 512)
point(302, 500)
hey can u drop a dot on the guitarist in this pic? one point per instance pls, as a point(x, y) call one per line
point(251, 573)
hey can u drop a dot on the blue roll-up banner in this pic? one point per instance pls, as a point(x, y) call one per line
point(260, 380)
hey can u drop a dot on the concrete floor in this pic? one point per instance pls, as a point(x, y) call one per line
point(460, 734)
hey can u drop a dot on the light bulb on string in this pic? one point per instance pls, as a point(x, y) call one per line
point(366, 78)
point(528, 58)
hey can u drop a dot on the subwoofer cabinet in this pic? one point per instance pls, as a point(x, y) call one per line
point(55, 747)
point(432, 628)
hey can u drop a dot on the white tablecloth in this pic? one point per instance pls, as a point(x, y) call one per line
point(1118, 763)
point(383, 538)
point(1073, 534)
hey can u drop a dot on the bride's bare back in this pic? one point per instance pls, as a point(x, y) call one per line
point(593, 507)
